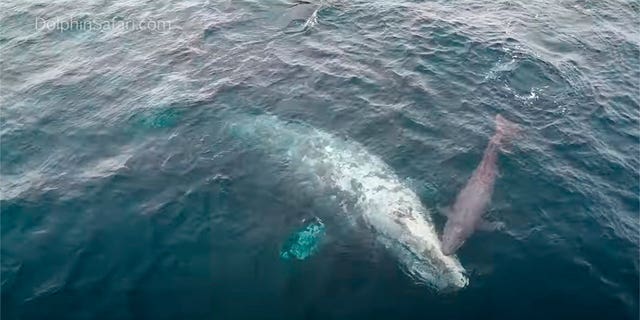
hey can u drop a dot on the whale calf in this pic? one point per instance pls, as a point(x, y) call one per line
point(465, 216)
point(375, 195)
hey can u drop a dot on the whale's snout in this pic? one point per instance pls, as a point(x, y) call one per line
point(459, 282)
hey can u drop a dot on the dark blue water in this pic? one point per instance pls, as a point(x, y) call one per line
point(126, 192)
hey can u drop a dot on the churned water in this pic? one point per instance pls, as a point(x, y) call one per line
point(131, 186)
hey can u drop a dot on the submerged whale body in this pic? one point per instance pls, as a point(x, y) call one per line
point(391, 210)
point(467, 212)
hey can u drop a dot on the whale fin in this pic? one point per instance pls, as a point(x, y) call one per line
point(485, 225)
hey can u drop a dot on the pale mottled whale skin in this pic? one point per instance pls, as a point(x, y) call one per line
point(372, 194)
point(465, 216)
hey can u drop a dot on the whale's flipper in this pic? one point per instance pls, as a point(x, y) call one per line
point(305, 241)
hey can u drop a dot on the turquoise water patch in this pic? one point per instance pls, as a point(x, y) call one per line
point(304, 242)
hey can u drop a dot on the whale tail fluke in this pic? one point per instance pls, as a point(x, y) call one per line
point(506, 129)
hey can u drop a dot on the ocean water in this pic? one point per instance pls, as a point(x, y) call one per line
point(131, 186)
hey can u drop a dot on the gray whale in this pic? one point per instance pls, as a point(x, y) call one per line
point(378, 197)
point(465, 216)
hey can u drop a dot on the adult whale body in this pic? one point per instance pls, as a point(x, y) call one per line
point(373, 194)
point(465, 216)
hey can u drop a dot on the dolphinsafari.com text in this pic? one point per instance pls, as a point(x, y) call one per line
point(101, 25)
